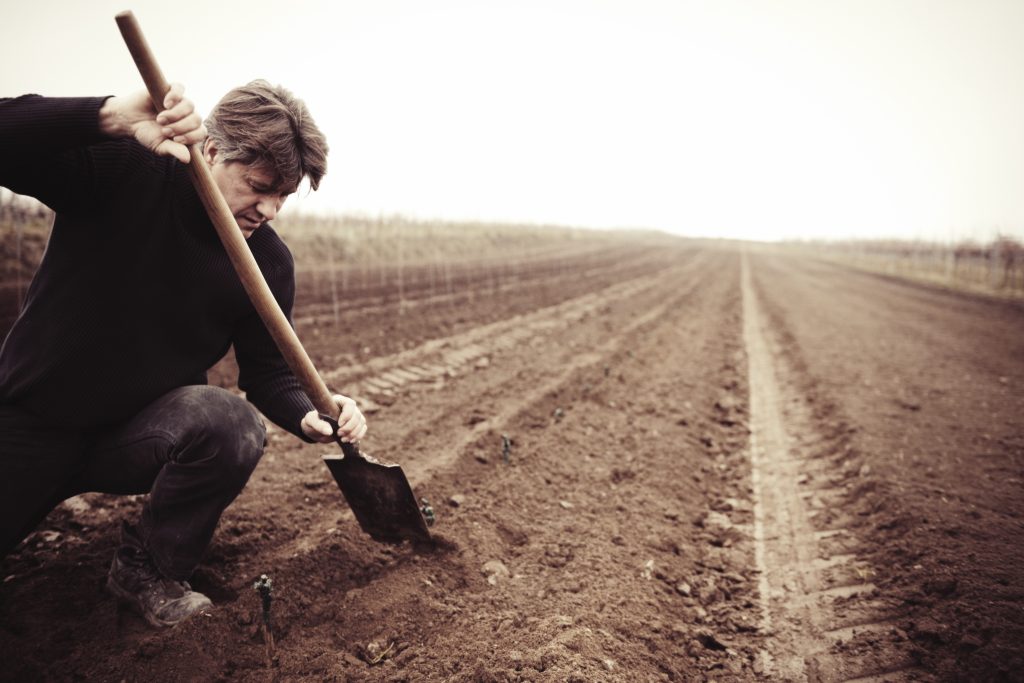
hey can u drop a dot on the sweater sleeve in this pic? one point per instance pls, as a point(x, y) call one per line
point(263, 374)
point(50, 149)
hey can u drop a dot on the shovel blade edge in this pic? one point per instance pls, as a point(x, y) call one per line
point(380, 497)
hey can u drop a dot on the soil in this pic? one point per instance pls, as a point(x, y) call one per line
point(658, 460)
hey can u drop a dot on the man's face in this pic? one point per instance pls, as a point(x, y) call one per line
point(248, 189)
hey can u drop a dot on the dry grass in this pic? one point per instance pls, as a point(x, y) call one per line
point(396, 240)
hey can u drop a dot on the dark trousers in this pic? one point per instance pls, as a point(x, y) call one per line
point(192, 450)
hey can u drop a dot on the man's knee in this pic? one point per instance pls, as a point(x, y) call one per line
point(222, 429)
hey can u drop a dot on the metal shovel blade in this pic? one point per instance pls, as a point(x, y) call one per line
point(379, 495)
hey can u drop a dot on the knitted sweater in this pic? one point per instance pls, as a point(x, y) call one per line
point(135, 294)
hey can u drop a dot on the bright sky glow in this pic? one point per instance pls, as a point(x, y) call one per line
point(761, 120)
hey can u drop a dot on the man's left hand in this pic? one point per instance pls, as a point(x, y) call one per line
point(351, 423)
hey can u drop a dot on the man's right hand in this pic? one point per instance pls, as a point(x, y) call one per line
point(168, 132)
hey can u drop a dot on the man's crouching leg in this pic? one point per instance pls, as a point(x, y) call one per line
point(196, 446)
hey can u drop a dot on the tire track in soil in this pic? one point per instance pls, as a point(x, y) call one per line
point(827, 621)
point(929, 438)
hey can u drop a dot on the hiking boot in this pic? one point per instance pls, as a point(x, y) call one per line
point(160, 601)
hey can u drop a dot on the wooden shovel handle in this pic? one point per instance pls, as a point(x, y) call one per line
point(230, 234)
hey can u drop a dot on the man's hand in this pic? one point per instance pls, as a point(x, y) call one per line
point(167, 132)
point(351, 423)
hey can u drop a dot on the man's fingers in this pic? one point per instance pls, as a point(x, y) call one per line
point(174, 95)
point(174, 149)
point(186, 125)
point(192, 137)
point(351, 423)
point(178, 112)
point(351, 426)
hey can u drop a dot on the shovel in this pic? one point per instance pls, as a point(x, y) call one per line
point(378, 493)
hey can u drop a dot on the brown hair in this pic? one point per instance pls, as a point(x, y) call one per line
point(259, 123)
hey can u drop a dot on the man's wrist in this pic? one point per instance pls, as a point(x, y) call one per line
point(111, 123)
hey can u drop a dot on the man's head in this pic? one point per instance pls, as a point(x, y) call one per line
point(262, 143)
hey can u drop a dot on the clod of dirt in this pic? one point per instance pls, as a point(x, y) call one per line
point(150, 648)
point(910, 405)
point(709, 592)
point(353, 661)
point(927, 629)
point(708, 640)
point(728, 407)
point(715, 522)
point(621, 474)
point(731, 504)
point(512, 535)
point(943, 587)
point(476, 417)
point(458, 500)
point(684, 589)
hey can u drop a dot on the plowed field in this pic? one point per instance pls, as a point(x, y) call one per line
point(658, 460)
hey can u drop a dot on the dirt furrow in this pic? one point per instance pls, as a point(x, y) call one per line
point(494, 373)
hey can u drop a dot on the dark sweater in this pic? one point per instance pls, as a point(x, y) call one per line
point(135, 295)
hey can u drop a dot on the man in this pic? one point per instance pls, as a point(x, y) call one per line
point(103, 376)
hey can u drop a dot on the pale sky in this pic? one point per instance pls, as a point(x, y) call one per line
point(762, 120)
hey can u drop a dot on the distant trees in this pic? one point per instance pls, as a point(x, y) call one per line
point(997, 267)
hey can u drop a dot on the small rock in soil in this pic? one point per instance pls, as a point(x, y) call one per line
point(648, 570)
point(495, 571)
point(378, 651)
point(458, 500)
